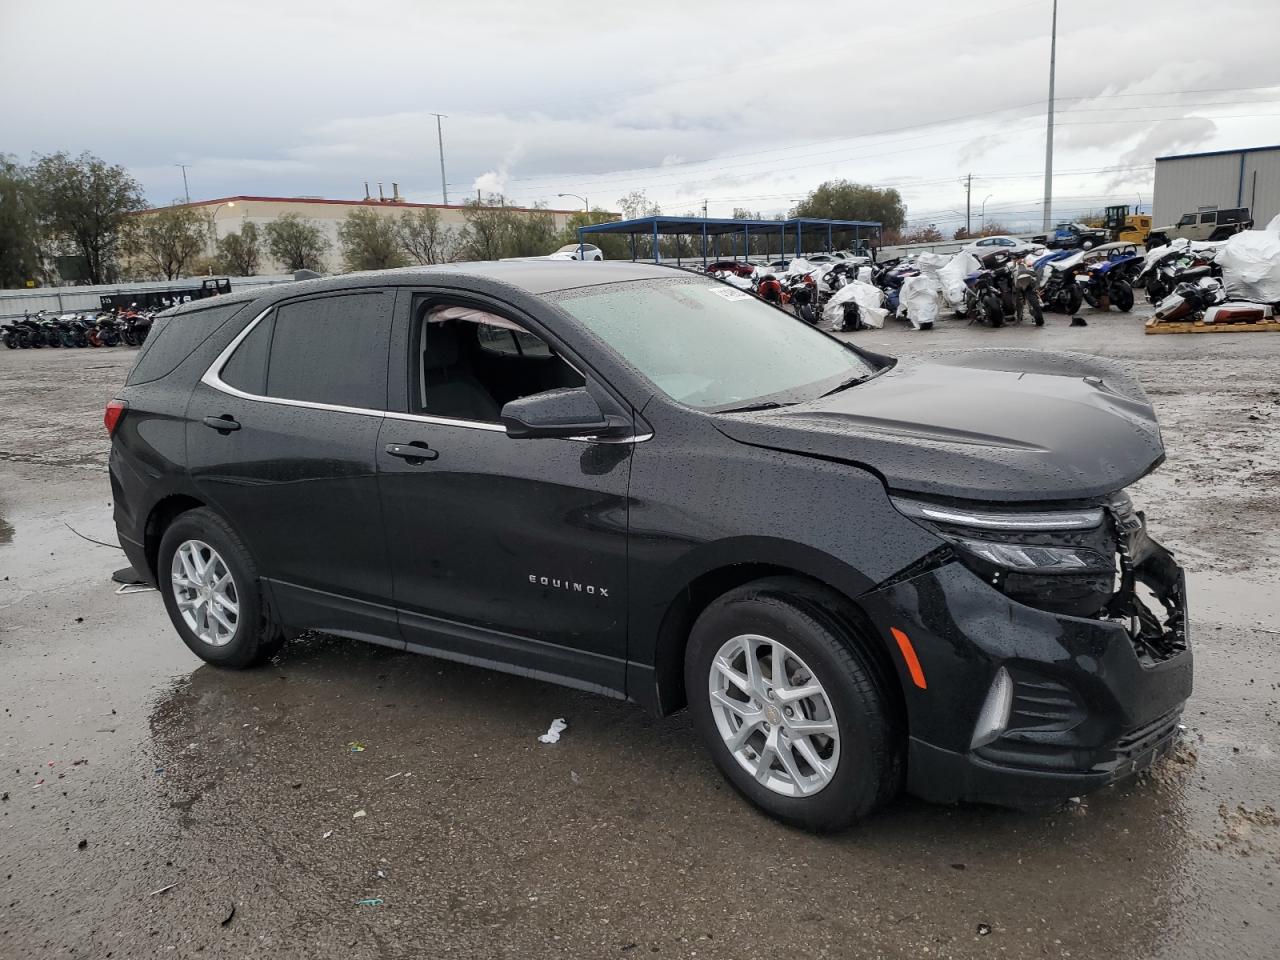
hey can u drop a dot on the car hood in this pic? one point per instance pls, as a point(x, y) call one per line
point(998, 425)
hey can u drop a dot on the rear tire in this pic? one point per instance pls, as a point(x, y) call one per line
point(1122, 297)
point(1074, 298)
point(993, 309)
point(254, 637)
point(854, 700)
point(1033, 305)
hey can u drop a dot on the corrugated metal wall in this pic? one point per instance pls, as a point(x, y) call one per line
point(1186, 184)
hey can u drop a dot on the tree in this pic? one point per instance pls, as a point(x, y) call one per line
point(614, 246)
point(296, 243)
point(845, 200)
point(485, 235)
point(636, 204)
point(240, 254)
point(928, 234)
point(369, 241)
point(19, 250)
point(423, 237)
point(166, 240)
point(85, 203)
point(531, 233)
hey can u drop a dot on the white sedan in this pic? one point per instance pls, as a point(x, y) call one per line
point(984, 246)
point(572, 251)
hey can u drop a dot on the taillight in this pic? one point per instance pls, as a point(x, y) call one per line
point(111, 416)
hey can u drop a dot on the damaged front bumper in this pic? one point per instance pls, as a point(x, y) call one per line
point(1086, 700)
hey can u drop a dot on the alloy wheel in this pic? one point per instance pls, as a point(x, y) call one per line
point(205, 592)
point(774, 715)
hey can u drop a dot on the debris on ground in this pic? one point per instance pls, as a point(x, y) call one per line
point(553, 732)
point(82, 844)
point(356, 746)
point(231, 912)
point(358, 814)
point(984, 929)
point(370, 902)
point(157, 892)
point(327, 835)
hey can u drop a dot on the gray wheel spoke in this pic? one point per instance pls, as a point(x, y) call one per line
point(786, 716)
point(205, 593)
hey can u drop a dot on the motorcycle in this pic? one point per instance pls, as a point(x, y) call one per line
point(1168, 266)
point(1058, 288)
point(1026, 285)
point(14, 336)
point(769, 288)
point(1103, 284)
point(888, 276)
point(105, 332)
point(801, 292)
point(991, 295)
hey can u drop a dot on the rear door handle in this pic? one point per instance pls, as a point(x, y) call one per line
point(415, 452)
point(225, 422)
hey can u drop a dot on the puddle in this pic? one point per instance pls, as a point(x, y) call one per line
point(1232, 601)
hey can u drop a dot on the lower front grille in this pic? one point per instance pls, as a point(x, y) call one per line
point(1136, 751)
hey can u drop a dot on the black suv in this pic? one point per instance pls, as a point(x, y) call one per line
point(858, 572)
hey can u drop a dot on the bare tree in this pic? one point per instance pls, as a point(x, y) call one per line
point(166, 240)
point(424, 238)
point(296, 243)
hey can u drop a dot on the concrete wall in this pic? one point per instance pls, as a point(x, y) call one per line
point(16, 303)
point(1240, 179)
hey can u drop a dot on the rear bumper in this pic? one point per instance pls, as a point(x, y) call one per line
point(1090, 705)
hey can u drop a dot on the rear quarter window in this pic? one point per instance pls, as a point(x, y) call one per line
point(174, 338)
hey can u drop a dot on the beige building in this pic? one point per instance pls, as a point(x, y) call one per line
point(229, 214)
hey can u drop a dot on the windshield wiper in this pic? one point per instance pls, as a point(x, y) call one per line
point(851, 382)
point(765, 405)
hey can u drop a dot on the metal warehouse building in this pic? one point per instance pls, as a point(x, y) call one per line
point(1223, 179)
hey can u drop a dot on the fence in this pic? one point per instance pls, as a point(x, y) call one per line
point(17, 303)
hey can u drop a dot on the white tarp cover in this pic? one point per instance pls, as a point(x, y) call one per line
point(951, 277)
point(919, 298)
point(864, 274)
point(742, 283)
point(1274, 225)
point(1250, 262)
point(867, 296)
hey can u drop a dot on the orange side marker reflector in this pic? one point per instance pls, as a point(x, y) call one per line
point(909, 657)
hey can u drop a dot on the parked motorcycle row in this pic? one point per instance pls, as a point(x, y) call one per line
point(1185, 280)
point(108, 329)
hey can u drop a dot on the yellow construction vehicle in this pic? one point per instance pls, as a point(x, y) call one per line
point(1125, 226)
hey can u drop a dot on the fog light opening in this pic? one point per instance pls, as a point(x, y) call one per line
point(994, 717)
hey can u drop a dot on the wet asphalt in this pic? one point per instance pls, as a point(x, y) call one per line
point(352, 801)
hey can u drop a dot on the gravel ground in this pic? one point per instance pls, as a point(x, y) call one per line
point(146, 795)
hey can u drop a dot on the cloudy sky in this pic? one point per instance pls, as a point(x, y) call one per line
point(738, 103)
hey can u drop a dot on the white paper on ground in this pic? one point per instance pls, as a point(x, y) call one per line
point(553, 732)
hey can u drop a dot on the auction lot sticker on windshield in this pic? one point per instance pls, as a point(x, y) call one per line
point(730, 293)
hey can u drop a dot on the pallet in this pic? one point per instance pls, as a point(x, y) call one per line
point(1199, 326)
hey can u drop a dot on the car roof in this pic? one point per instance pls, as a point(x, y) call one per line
point(531, 276)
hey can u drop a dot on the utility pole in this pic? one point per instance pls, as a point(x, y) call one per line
point(704, 208)
point(1048, 137)
point(444, 188)
point(185, 190)
point(968, 205)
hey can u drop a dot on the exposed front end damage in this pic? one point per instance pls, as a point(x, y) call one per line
point(1063, 643)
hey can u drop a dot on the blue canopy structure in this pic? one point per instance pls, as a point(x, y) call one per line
point(791, 234)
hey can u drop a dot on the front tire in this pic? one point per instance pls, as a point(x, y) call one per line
point(993, 309)
point(1122, 296)
point(212, 593)
point(1033, 305)
point(797, 716)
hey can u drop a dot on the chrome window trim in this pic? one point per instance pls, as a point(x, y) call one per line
point(212, 378)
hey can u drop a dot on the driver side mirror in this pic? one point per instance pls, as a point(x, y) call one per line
point(570, 412)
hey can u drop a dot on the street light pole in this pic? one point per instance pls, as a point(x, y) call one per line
point(1048, 137)
point(585, 206)
point(185, 189)
point(444, 187)
point(213, 232)
point(983, 213)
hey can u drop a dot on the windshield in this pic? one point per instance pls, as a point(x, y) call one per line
point(712, 346)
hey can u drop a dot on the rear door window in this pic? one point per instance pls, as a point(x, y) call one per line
point(332, 350)
point(174, 338)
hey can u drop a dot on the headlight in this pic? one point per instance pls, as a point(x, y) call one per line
point(1058, 559)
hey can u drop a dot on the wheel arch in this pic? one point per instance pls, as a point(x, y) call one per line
point(662, 689)
point(162, 514)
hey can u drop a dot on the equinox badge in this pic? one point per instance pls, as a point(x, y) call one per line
point(572, 586)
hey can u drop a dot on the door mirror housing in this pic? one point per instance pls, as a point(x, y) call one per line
point(571, 412)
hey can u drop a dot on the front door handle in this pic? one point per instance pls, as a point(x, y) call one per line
point(223, 423)
point(415, 452)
